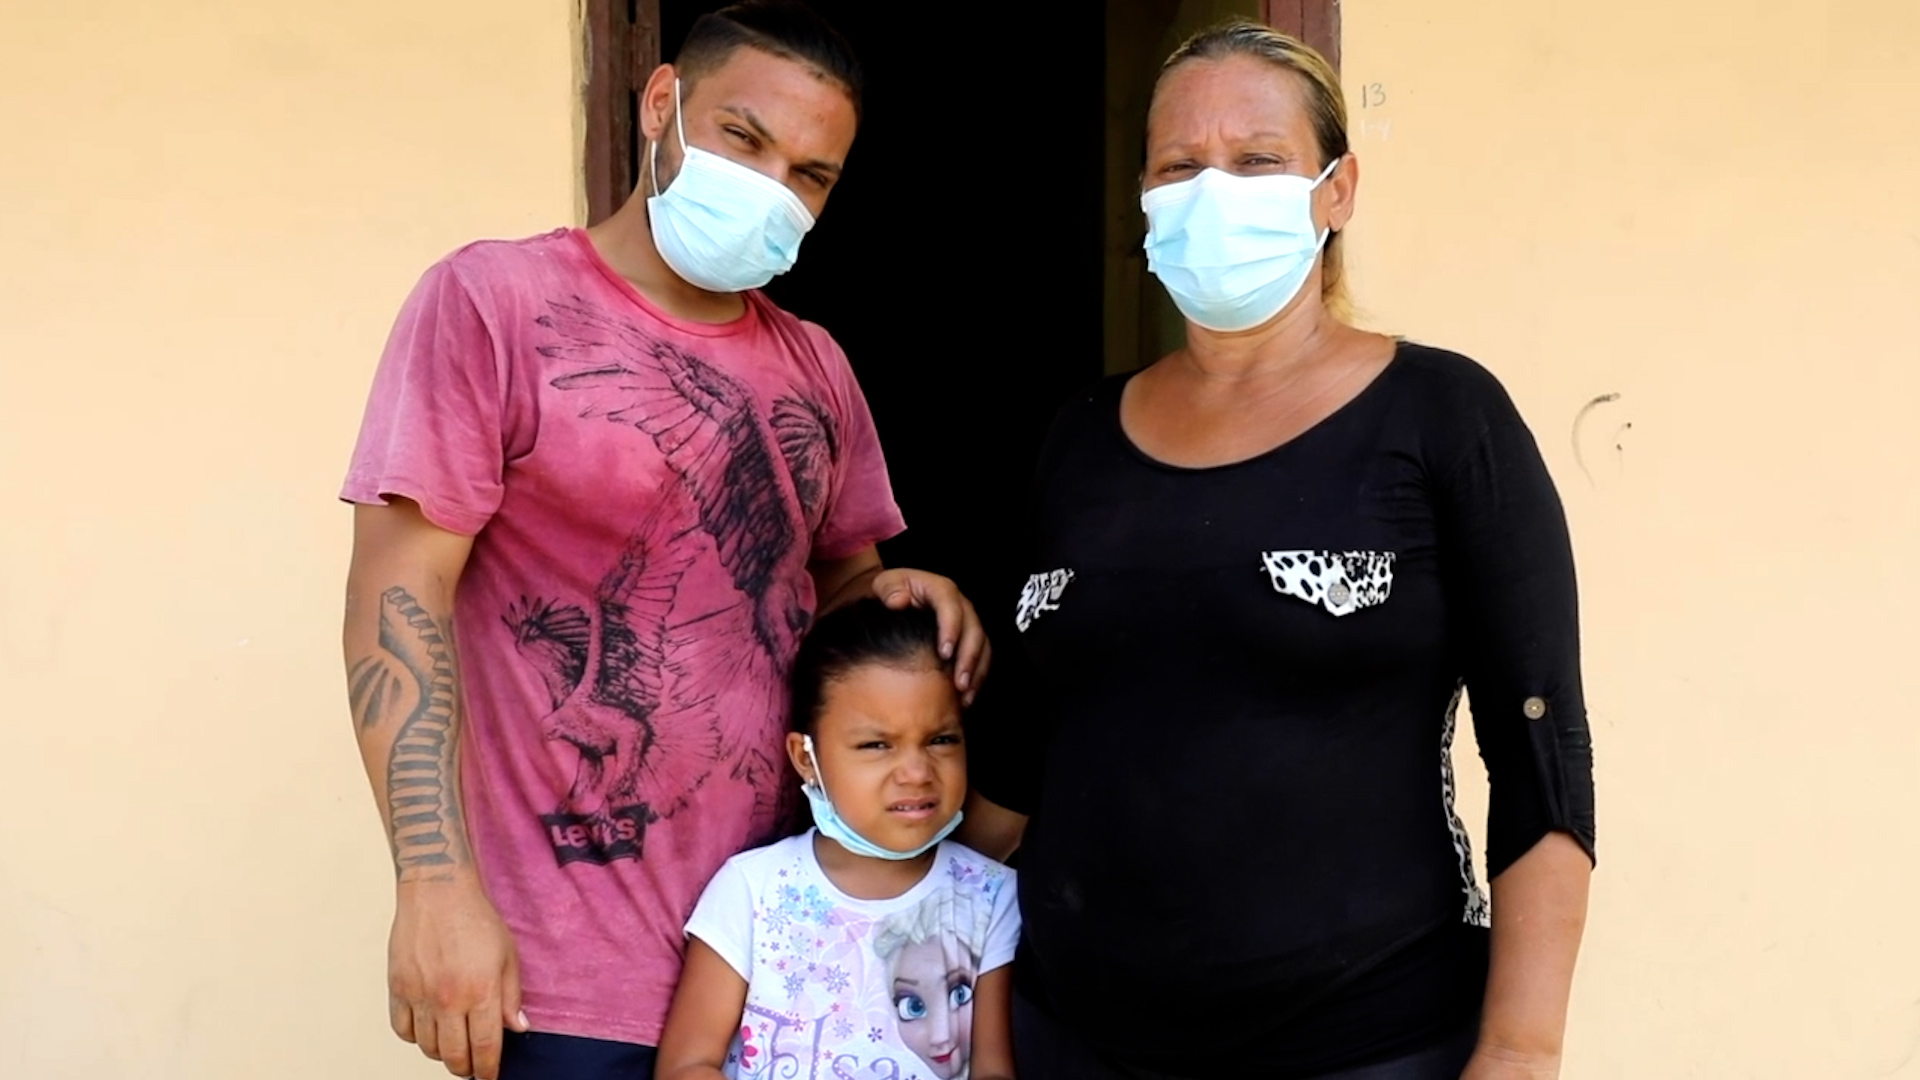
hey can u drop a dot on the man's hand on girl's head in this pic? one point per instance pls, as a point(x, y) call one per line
point(963, 639)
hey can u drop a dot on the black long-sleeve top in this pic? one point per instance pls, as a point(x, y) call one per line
point(1227, 700)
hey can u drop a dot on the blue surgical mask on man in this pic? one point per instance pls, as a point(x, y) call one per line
point(720, 225)
point(833, 827)
point(1233, 251)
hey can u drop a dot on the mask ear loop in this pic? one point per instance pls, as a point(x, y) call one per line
point(680, 116)
point(1328, 171)
point(653, 162)
point(1326, 233)
point(816, 783)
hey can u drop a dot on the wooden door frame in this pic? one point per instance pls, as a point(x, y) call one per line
point(622, 43)
point(1316, 22)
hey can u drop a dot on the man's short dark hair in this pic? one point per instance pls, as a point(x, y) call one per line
point(785, 28)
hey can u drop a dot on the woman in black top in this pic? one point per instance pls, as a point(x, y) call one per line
point(1263, 570)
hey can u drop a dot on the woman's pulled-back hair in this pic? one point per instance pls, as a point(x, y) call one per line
point(785, 28)
point(863, 632)
point(1326, 108)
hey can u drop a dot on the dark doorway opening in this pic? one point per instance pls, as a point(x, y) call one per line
point(980, 259)
point(958, 262)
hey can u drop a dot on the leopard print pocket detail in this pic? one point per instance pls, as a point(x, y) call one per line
point(1343, 582)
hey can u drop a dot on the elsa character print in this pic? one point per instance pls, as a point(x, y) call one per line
point(930, 971)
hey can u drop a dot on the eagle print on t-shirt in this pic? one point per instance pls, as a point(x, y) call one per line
point(634, 678)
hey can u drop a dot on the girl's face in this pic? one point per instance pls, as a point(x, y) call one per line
point(889, 749)
point(933, 997)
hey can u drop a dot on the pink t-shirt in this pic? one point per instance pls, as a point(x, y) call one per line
point(645, 494)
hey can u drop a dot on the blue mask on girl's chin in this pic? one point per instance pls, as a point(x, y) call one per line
point(829, 822)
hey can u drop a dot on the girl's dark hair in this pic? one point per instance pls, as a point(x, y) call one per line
point(863, 632)
point(785, 28)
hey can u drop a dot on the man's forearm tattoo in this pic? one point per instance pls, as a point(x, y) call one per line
point(373, 684)
point(421, 776)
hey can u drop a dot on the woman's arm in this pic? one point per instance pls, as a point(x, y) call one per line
point(1512, 589)
point(706, 1012)
point(992, 1053)
point(989, 828)
point(1539, 912)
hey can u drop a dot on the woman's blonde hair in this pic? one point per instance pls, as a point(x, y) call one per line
point(1326, 108)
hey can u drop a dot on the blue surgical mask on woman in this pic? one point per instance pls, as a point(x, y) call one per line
point(721, 225)
point(1231, 250)
point(834, 828)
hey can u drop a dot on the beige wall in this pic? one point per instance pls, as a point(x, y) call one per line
point(212, 209)
point(1711, 209)
point(210, 212)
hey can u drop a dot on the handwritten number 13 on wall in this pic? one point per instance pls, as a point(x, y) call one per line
point(1372, 125)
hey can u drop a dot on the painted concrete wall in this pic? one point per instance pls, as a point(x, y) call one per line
point(211, 211)
point(213, 208)
point(1711, 210)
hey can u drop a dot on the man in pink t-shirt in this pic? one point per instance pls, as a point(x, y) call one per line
point(602, 486)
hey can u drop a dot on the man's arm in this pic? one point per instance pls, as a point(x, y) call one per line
point(962, 638)
point(837, 582)
point(452, 973)
point(402, 684)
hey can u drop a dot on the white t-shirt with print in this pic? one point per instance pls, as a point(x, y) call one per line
point(846, 989)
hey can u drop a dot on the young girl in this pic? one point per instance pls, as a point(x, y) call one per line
point(869, 948)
